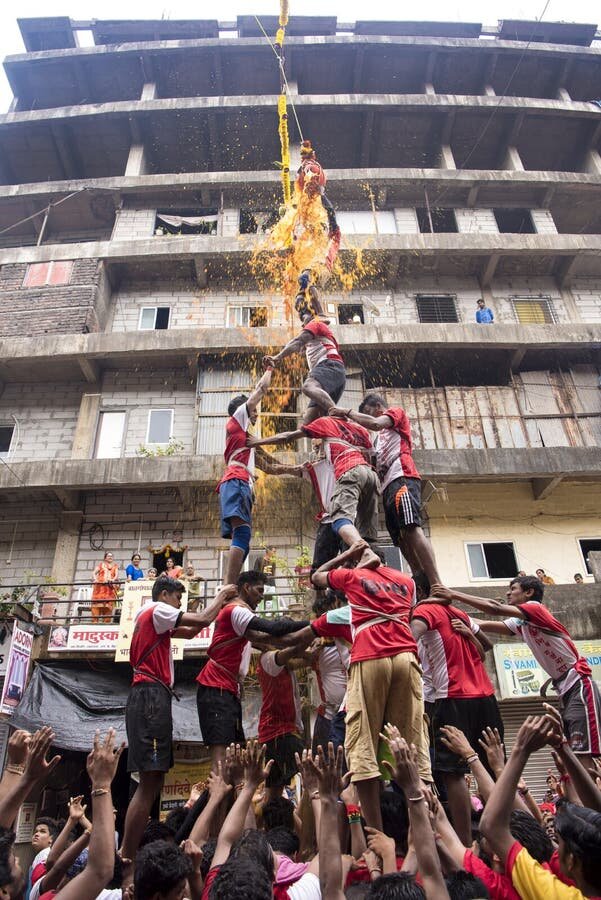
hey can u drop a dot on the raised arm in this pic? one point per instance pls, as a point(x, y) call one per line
point(355, 551)
point(296, 345)
point(372, 423)
point(328, 772)
point(283, 438)
point(271, 466)
point(275, 627)
point(259, 391)
point(18, 746)
point(585, 787)
point(218, 789)
point(440, 593)
point(36, 771)
point(191, 623)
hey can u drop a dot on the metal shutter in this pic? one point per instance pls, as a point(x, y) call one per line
point(513, 713)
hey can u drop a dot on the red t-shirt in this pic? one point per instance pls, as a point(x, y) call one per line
point(395, 448)
point(211, 876)
point(154, 621)
point(453, 662)
point(236, 432)
point(342, 457)
point(280, 707)
point(229, 651)
point(370, 593)
point(322, 346)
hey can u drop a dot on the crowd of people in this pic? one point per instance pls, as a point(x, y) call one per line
point(403, 789)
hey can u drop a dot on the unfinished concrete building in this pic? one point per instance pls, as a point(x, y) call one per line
point(137, 173)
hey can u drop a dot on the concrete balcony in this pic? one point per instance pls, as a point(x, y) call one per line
point(545, 467)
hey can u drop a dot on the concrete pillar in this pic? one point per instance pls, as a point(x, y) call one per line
point(447, 160)
point(67, 545)
point(512, 162)
point(149, 91)
point(85, 430)
point(136, 161)
point(429, 88)
point(489, 91)
point(592, 163)
point(563, 95)
point(594, 561)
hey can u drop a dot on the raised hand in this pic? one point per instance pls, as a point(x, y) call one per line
point(307, 772)
point(37, 767)
point(441, 593)
point(494, 749)
point(534, 734)
point(456, 741)
point(405, 771)
point(218, 789)
point(269, 362)
point(338, 413)
point(77, 810)
point(103, 760)
point(18, 747)
point(255, 768)
point(380, 843)
point(234, 765)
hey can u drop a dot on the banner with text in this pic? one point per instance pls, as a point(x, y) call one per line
point(16, 670)
point(137, 594)
point(520, 675)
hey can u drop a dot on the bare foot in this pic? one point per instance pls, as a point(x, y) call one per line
point(369, 560)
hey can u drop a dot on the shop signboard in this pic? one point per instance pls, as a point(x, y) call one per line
point(520, 675)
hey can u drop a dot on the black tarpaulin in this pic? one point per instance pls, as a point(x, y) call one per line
point(75, 701)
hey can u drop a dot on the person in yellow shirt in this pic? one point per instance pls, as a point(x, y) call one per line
point(578, 828)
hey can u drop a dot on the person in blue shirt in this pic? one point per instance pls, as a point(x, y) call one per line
point(133, 571)
point(484, 315)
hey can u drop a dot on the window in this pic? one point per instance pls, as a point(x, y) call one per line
point(257, 222)
point(514, 221)
point(436, 308)
point(367, 222)
point(586, 546)
point(247, 316)
point(160, 426)
point(109, 436)
point(443, 221)
point(48, 273)
point(393, 558)
point(491, 560)
point(6, 437)
point(154, 318)
point(534, 311)
point(186, 221)
point(350, 314)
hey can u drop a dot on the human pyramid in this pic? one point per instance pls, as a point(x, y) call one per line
point(407, 707)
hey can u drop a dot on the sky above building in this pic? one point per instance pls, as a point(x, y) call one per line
point(429, 10)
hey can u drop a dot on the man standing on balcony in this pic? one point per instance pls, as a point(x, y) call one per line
point(324, 385)
point(484, 315)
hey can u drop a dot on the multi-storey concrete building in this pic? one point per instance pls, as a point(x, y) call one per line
point(137, 173)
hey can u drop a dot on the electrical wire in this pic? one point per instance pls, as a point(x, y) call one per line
point(45, 209)
point(283, 74)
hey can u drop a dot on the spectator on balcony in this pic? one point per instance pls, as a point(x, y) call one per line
point(542, 576)
point(484, 315)
point(151, 574)
point(172, 570)
point(133, 571)
point(104, 592)
point(578, 578)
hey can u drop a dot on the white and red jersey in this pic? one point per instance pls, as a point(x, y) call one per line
point(453, 662)
point(551, 645)
point(331, 674)
point(323, 345)
point(380, 602)
point(239, 459)
point(394, 448)
point(342, 456)
point(229, 651)
point(321, 476)
point(154, 622)
point(280, 709)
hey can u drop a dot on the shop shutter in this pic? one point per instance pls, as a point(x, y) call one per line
point(513, 713)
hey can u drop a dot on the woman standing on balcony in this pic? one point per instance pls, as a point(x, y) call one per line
point(133, 571)
point(104, 592)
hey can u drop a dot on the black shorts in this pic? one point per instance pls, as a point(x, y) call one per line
point(219, 716)
point(149, 728)
point(282, 749)
point(402, 505)
point(471, 715)
point(327, 546)
point(581, 714)
point(331, 376)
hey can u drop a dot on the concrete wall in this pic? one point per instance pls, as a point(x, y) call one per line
point(545, 533)
point(45, 419)
point(28, 532)
point(587, 299)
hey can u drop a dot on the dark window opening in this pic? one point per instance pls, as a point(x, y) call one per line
point(6, 436)
point(436, 308)
point(186, 221)
point(350, 314)
point(492, 560)
point(443, 221)
point(257, 222)
point(392, 557)
point(586, 546)
point(514, 221)
point(162, 318)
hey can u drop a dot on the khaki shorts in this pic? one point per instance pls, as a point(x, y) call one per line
point(355, 497)
point(380, 691)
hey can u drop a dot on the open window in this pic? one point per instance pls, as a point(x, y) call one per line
point(257, 221)
point(154, 318)
point(438, 221)
point(587, 545)
point(109, 435)
point(7, 431)
point(186, 221)
point(491, 559)
point(350, 314)
point(160, 426)
point(514, 221)
point(436, 308)
point(247, 316)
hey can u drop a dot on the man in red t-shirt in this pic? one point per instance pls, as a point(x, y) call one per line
point(353, 507)
point(280, 719)
point(463, 696)
point(400, 481)
point(324, 385)
point(218, 694)
point(385, 681)
point(148, 712)
point(236, 486)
